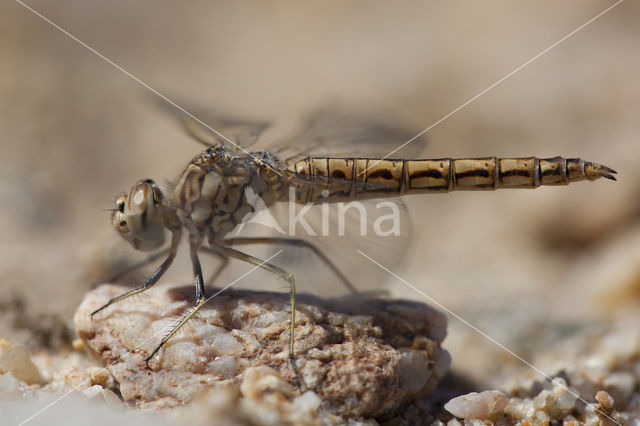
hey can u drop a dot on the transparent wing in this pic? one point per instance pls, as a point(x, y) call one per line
point(243, 134)
point(214, 128)
point(329, 131)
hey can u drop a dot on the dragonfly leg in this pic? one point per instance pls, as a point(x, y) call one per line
point(295, 242)
point(161, 253)
point(138, 265)
point(231, 252)
point(200, 300)
point(175, 241)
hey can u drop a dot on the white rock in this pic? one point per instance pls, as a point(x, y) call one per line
point(16, 360)
point(520, 408)
point(92, 392)
point(414, 371)
point(224, 366)
point(565, 397)
point(100, 394)
point(260, 380)
point(307, 402)
point(541, 418)
point(477, 405)
point(361, 371)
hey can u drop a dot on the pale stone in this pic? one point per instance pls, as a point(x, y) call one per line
point(604, 399)
point(477, 405)
point(414, 370)
point(259, 381)
point(100, 376)
point(308, 401)
point(357, 361)
point(16, 360)
point(100, 394)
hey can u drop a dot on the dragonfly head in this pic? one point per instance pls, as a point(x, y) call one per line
point(139, 216)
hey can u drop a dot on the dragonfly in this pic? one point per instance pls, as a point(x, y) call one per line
point(218, 189)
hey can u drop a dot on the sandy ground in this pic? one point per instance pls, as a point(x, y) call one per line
point(528, 268)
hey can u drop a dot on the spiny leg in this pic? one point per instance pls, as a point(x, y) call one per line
point(175, 241)
point(154, 256)
point(214, 277)
point(138, 265)
point(295, 242)
point(292, 285)
point(200, 299)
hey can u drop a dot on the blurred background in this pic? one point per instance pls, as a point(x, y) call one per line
point(527, 267)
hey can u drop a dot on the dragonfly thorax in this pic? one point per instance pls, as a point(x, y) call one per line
point(218, 189)
point(139, 216)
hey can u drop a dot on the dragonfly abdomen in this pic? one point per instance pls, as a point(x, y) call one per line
point(490, 173)
point(370, 177)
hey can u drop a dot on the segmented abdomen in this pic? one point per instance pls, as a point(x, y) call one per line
point(370, 177)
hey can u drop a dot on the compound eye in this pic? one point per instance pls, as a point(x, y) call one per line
point(120, 223)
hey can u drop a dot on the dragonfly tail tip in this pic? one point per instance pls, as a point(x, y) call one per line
point(595, 171)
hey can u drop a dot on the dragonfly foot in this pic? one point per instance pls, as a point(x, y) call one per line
point(299, 381)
